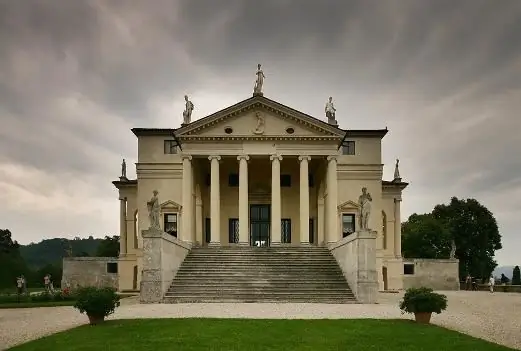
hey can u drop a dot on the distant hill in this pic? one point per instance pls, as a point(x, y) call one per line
point(506, 270)
point(49, 251)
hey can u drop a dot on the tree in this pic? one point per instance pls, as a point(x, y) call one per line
point(11, 263)
point(516, 276)
point(424, 237)
point(108, 247)
point(475, 233)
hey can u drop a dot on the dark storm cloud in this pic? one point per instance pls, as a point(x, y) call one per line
point(75, 76)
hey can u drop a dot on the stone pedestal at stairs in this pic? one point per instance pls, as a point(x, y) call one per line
point(151, 282)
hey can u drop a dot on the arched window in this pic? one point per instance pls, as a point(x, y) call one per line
point(384, 230)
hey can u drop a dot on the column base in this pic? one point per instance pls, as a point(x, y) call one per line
point(243, 244)
point(214, 244)
point(303, 243)
point(275, 244)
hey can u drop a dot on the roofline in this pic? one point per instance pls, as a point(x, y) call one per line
point(125, 183)
point(157, 132)
point(394, 184)
point(366, 133)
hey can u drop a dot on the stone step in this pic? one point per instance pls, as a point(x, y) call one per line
point(191, 299)
point(253, 282)
point(274, 269)
point(264, 276)
point(261, 294)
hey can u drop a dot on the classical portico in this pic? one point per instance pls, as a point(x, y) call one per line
point(259, 174)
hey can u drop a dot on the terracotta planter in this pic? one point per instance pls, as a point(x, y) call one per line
point(93, 320)
point(423, 317)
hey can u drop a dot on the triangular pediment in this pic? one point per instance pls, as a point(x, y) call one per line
point(259, 117)
point(170, 206)
point(349, 205)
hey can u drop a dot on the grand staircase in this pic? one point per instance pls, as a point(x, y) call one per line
point(247, 274)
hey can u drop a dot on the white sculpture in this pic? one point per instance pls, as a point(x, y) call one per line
point(187, 113)
point(364, 201)
point(330, 111)
point(153, 211)
point(452, 249)
point(257, 89)
point(259, 129)
point(397, 171)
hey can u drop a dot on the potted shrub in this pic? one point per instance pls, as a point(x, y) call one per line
point(423, 302)
point(97, 303)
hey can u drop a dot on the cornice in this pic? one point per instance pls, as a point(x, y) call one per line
point(258, 138)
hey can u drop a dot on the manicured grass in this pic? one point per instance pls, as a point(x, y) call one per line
point(257, 335)
point(30, 304)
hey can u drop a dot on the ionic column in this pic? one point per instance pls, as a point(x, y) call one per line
point(186, 218)
point(215, 202)
point(332, 234)
point(304, 199)
point(243, 199)
point(397, 229)
point(276, 215)
point(123, 226)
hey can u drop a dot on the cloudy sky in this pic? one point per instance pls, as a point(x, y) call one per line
point(75, 76)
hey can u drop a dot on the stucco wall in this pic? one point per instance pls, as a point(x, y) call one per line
point(440, 274)
point(88, 271)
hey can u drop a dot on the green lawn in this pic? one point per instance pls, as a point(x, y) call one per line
point(255, 334)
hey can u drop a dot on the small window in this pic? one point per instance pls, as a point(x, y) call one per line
point(311, 180)
point(207, 231)
point(285, 180)
point(348, 224)
point(170, 223)
point(233, 230)
point(348, 148)
point(228, 130)
point(286, 231)
point(408, 268)
point(311, 230)
point(233, 179)
point(290, 130)
point(170, 147)
point(112, 267)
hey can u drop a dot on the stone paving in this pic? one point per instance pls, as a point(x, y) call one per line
point(494, 317)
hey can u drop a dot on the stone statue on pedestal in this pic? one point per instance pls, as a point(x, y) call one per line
point(330, 112)
point(397, 177)
point(259, 128)
point(187, 113)
point(452, 249)
point(153, 211)
point(364, 201)
point(123, 170)
point(257, 89)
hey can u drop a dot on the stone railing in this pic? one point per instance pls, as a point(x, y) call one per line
point(356, 255)
point(162, 257)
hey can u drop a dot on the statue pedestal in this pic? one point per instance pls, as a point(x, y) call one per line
point(258, 94)
point(151, 283)
point(123, 179)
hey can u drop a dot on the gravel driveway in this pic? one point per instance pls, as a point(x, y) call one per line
point(480, 314)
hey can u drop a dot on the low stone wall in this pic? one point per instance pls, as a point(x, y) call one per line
point(497, 287)
point(437, 274)
point(89, 271)
point(162, 256)
point(356, 256)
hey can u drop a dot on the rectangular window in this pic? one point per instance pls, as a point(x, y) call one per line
point(112, 267)
point(170, 223)
point(286, 231)
point(233, 230)
point(233, 179)
point(285, 180)
point(348, 224)
point(207, 232)
point(311, 180)
point(408, 268)
point(170, 147)
point(348, 148)
point(311, 230)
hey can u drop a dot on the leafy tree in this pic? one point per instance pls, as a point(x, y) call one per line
point(516, 276)
point(475, 232)
point(108, 247)
point(425, 237)
point(11, 263)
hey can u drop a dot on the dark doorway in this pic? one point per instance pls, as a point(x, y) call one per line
point(260, 225)
point(384, 274)
point(134, 279)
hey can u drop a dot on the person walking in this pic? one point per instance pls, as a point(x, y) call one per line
point(491, 283)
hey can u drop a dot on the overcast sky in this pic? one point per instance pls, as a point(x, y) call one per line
point(75, 76)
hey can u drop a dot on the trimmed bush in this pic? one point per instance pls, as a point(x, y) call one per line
point(423, 300)
point(97, 302)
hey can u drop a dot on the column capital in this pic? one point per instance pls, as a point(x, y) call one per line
point(186, 157)
point(332, 158)
point(397, 199)
point(122, 199)
point(243, 157)
point(214, 157)
point(275, 157)
point(304, 158)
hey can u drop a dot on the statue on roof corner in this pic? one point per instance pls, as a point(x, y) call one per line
point(187, 113)
point(257, 89)
point(330, 112)
point(123, 170)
